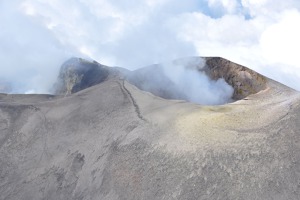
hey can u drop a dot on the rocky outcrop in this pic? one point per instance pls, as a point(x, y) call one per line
point(244, 81)
point(77, 74)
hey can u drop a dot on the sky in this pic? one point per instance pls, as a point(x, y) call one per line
point(37, 36)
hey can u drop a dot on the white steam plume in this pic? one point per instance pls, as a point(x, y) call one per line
point(182, 79)
point(195, 85)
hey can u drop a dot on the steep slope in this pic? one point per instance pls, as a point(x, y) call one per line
point(114, 141)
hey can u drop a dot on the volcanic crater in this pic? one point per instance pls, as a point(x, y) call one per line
point(104, 138)
point(77, 74)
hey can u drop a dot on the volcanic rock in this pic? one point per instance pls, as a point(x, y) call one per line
point(244, 81)
point(115, 141)
point(77, 74)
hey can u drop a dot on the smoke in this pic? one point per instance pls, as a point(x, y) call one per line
point(195, 85)
point(182, 79)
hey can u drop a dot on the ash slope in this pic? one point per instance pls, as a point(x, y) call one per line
point(114, 141)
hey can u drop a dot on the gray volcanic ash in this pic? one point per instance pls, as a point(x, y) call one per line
point(104, 138)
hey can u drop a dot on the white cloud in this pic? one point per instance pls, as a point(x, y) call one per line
point(280, 42)
point(270, 8)
point(268, 44)
point(227, 6)
point(37, 36)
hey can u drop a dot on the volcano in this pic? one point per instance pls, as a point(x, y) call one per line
point(110, 133)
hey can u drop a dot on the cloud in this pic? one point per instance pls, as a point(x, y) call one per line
point(266, 42)
point(29, 53)
point(270, 8)
point(280, 42)
point(37, 36)
point(223, 6)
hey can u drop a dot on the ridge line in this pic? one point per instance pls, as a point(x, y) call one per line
point(134, 103)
